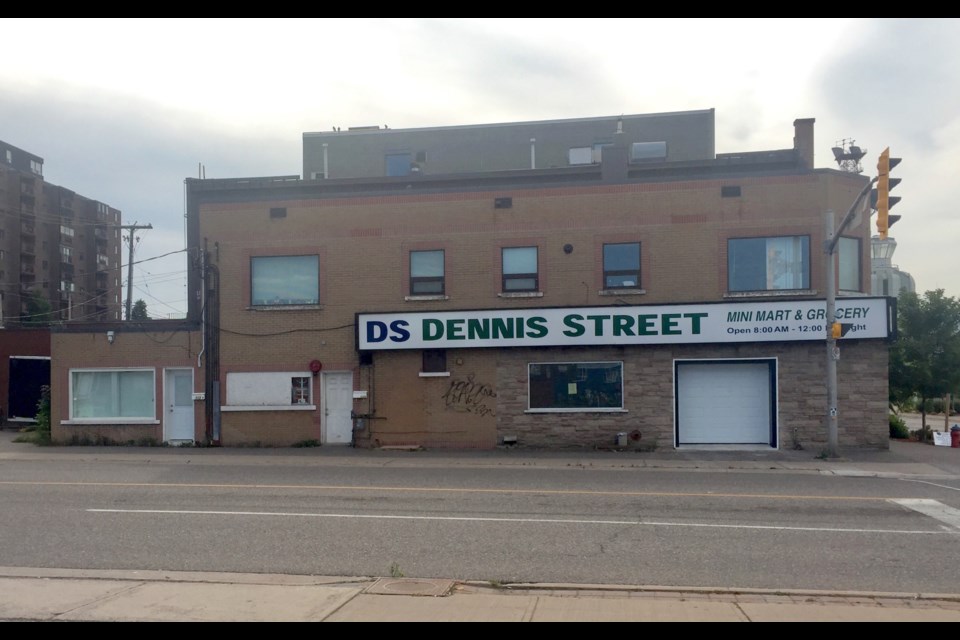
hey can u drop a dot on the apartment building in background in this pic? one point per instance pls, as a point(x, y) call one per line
point(56, 246)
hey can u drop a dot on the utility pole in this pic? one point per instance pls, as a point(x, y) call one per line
point(832, 239)
point(133, 228)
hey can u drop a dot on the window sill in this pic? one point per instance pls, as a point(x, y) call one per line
point(107, 421)
point(285, 407)
point(520, 294)
point(577, 410)
point(425, 298)
point(622, 292)
point(286, 307)
point(434, 374)
point(771, 294)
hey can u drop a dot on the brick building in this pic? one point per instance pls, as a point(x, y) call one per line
point(617, 284)
point(59, 262)
point(673, 302)
point(56, 246)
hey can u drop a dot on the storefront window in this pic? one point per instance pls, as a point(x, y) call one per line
point(112, 394)
point(576, 386)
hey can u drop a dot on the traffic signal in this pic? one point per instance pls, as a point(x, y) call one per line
point(883, 201)
point(840, 329)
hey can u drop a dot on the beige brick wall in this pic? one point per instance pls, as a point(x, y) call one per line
point(156, 350)
point(459, 410)
point(363, 246)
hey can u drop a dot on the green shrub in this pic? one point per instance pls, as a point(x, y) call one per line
point(898, 428)
point(43, 417)
point(306, 443)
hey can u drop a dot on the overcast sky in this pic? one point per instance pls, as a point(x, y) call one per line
point(123, 110)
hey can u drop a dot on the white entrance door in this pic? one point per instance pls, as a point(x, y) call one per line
point(337, 407)
point(725, 403)
point(178, 423)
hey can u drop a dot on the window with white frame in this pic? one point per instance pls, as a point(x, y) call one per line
point(36, 167)
point(269, 389)
point(768, 264)
point(848, 259)
point(519, 269)
point(575, 386)
point(112, 394)
point(300, 390)
point(426, 273)
point(621, 265)
point(284, 280)
point(434, 361)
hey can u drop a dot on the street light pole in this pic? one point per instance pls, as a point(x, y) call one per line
point(831, 239)
point(832, 352)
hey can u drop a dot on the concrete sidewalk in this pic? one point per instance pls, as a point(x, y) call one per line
point(156, 596)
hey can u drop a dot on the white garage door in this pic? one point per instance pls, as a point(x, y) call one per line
point(725, 403)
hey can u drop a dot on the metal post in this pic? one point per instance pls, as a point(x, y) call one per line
point(831, 240)
point(830, 275)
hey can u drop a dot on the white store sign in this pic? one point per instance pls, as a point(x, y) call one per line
point(778, 321)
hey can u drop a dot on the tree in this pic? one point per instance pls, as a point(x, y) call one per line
point(39, 312)
point(925, 359)
point(139, 310)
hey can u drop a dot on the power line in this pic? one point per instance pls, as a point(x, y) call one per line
point(107, 270)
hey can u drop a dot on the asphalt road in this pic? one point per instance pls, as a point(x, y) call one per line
point(267, 512)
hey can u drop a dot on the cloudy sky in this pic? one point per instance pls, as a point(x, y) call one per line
point(122, 110)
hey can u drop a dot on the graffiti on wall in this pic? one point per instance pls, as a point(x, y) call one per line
point(469, 396)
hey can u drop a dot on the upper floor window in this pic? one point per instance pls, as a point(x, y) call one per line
point(768, 264)
point(426, 273)
point(621, 265)
point(848, 252)
point(284, 280)
point(399, 164)
point(36, 167)
point(520, 269)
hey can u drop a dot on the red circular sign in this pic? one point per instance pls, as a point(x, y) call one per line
point(315, 366)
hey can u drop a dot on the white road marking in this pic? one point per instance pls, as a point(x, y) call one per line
point(514, 520)
point(942, 486)
point(934, 509)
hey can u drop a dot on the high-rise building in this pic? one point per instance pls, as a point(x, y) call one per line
point(59, 251)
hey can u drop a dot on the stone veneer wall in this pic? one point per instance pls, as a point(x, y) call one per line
point(648, 395)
